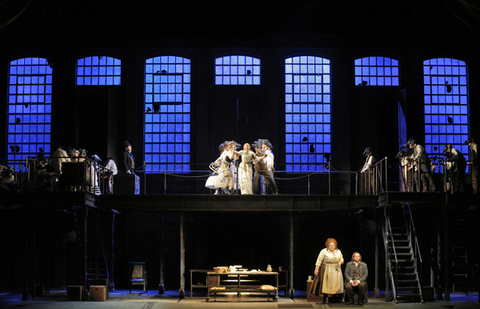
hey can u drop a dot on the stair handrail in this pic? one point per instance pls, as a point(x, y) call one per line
point(386, 241)
point(412, 224)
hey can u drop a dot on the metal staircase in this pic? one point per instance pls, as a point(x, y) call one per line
point(403, 254)
point(96, 252)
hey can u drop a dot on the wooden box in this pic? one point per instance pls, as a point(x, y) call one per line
point(98, 293)
point(74, 292)
point(126, 184)
point(102, 281)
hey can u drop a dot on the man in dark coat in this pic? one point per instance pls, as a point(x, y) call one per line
point(128, 159)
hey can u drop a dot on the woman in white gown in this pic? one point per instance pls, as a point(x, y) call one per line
point(245, 170)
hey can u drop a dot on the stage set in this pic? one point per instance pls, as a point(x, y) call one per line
point(337, 90)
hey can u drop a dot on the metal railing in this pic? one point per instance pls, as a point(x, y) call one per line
point(375, 179)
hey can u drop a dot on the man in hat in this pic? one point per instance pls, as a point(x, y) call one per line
point(472, 144)
point(261, 169)
point(423, 161)
point(128, 159)
point(456, 165)
point(267, 149)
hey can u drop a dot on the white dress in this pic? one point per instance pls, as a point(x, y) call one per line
point(245, 172)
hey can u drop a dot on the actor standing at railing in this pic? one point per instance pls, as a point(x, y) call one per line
point(472, 143)
point(457, 165)
point(422, 159)
point(356, 273)
point(328, 271)
point(128, 159)
point(368, 175)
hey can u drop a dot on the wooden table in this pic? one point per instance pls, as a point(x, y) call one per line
point(241, 282)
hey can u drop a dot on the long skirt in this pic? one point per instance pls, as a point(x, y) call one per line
point(245, 174)
point(329, 281)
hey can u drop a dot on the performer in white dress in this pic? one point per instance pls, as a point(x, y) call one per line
point(245, 170)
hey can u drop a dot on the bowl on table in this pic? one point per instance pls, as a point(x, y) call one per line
point(220, 269)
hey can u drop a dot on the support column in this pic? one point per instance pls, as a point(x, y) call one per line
point(376, 291)
point(85, 244)
point(291, 292)
point(161, 286)
point(448, 255)
point(182, 258)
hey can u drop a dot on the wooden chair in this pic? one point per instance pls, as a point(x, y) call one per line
point(138, 275)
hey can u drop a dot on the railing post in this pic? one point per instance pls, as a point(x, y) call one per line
point(386, 174)
point(308, 183)
point(329, 178)
point(165, 182)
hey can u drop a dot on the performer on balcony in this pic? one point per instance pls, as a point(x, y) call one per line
point(261, 169)
point(456, 165)
point(423, 161)
point(472, 143)
point(128, 159)
point(245, 169)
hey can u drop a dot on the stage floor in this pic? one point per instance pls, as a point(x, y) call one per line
point(151, 300)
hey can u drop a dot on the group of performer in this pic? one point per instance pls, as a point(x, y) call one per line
point(228, 173)
point(417, 168)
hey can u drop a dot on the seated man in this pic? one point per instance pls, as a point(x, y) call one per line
point(356, 273)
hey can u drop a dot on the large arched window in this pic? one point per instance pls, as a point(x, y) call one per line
point(445, 84)
point(376, 71)
point(307, 113)
point(29, 109)
point(98, 70)
point(167, 114)
point(237, 70)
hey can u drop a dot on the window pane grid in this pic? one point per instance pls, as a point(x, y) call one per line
point(29, 109)
point(167, 114)
point(445, 105)
point(376, 71)
point(98, 71)
point(307, 113)
point(237, 70)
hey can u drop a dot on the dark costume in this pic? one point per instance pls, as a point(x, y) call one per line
point(128, 160)
point(457, 172)
point(261, 169)
point(474, 162)
point(359, 273)
point(423, 161)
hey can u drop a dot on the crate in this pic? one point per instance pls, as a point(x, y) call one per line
point(126, 184)
point(74, 292)
point(98, 293)
point(102, 281)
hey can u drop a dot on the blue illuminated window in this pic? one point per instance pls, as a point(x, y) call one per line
point(98, 70)
point(445, 88)
point(237, 70)
point(167, 114)
point(376, 71)
point(29, 109)
point(307, 113)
